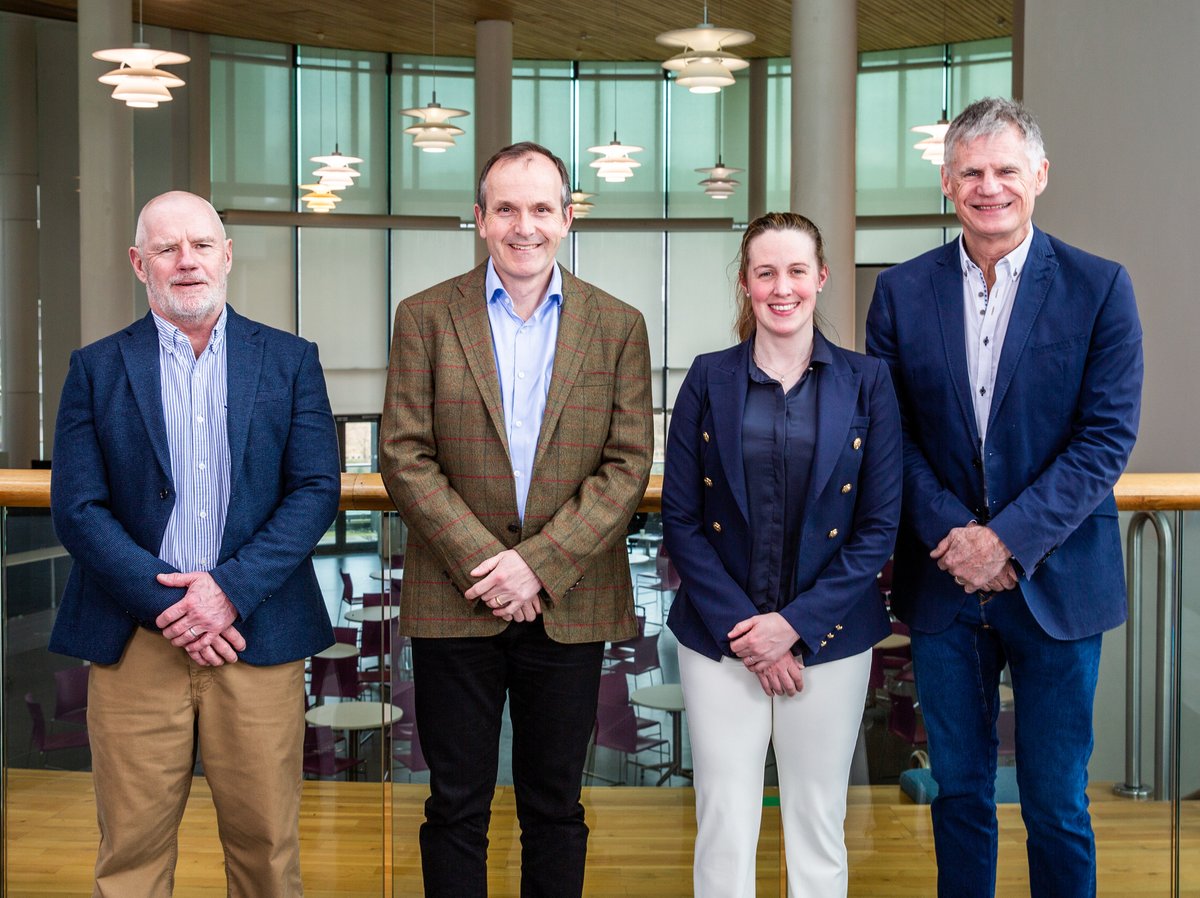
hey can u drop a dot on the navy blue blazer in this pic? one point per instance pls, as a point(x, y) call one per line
point(1063, 421)
point(112, 492)
point(849, 522)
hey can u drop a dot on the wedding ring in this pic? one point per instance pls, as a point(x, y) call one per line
point(192, 630)
point(958, 580)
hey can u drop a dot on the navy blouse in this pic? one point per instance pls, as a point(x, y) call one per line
point(779, 435)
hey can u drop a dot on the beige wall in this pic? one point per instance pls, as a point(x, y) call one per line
point(1114, 86)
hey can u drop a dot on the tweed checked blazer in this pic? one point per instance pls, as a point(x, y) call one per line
point(444, 458)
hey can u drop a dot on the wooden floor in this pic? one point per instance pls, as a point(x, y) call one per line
point(641, 842)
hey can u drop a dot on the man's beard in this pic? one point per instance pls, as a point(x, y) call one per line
point(192, 310)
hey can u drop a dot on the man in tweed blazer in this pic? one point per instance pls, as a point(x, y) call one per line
point(516, 443)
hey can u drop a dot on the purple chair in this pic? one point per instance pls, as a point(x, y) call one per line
point(616, 729)
point(71, 694)
point(614, 690)
point(635, 657)
point(46, 742)
point(334, 678)
point(406, 743)
point(320, 755)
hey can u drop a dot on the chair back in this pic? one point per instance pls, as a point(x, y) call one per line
point(334, 678)
point(71, 693)
point(39, 721)
point(902, 720)
point(346, 635)
point(347, 587)
point(616, 728)
point(614, 689)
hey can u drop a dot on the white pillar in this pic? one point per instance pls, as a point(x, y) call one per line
point(19, 286)
point(106, 215)
point(756, 165)
point(493, 95)
point(824, 70)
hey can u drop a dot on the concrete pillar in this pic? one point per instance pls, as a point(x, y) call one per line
point(824, 71)
point(19, 286)
point(106, 214)
point(493, 95)
point(756, 165)
point(58, 234)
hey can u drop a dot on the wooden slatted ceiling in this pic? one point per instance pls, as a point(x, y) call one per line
point(551, 29)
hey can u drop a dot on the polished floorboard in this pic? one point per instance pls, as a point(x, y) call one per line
point(641, 842)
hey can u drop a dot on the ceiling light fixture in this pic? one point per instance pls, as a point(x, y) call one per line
point(719, 185)
point(705, 64)
point(933, 147)
point(432, 133)
point(579, 203)
point(615, 164)
point(138, 81)
point(335, 172)
point(319, 199)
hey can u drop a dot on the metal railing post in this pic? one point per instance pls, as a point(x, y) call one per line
point(1167, 633)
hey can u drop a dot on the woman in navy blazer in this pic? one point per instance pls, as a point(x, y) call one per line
point(780, 505)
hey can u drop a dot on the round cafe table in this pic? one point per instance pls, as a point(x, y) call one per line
point(667, 697)
point(376, 613)
point(338, 650)
point(353, 717)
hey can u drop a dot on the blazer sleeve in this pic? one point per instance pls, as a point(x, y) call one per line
point(596, 517)
point(81, 506)
point(310, 484)
point(940, 510)
point(718, 599)
point(408, 458)
point(1105, 427)
point(852, 571)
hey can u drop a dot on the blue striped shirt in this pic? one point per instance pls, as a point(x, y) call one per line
point(524, 362)
point(194, 391)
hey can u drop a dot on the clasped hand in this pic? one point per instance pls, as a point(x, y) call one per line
point(201, 622)
point(509, 587)
point(977, 559)
point(764, 644)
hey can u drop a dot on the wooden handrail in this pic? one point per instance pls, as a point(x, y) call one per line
point(21, 488)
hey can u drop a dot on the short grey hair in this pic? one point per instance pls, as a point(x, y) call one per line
point(990, 116)
point(520, 151)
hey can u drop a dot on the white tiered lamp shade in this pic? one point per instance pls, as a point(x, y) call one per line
point(719, 184)
point(705, 65)
point(615, 164)
point(319, 199)
point(335, 172)
point(138, 81)
point(432, 133)
point(579, 203)
point(932, 147)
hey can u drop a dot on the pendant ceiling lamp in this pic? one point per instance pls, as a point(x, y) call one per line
point(579, 203)
point(933, 147)
point(433, 133)
point(138, 81)
point(719, 184)
point(704, 65)
point(615, 164)
point(335, 172)
point(319, 199)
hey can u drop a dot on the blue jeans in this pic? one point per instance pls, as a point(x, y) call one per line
point(1054, 685)
point(461, 685)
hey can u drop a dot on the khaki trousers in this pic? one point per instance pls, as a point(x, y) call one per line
point(148, 714)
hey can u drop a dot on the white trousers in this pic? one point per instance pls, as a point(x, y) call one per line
point(731, 722)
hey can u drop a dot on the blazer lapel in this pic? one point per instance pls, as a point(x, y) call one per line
point(576, 325)
point(727, 399)
point(140, 352)
point(837, 393)
point(243, 366)
point(946, 281)
point(1040, 268)
point(468, 311)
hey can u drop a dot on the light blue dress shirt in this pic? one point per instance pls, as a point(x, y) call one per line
point(524, 363)
point(194, 394)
